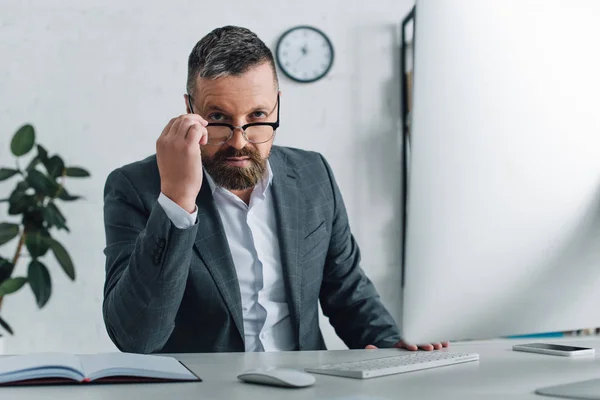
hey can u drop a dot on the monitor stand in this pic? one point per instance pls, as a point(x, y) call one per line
point(582, 390)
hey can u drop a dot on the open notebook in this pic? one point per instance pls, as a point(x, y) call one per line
point(46, 368)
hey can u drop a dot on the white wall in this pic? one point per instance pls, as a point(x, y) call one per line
point(99, 79)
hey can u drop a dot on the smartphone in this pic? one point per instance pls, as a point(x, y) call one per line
point(554, 349)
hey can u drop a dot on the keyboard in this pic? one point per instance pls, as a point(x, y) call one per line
point(413, 361)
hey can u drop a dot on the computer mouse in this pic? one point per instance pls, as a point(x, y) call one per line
point(284, 377)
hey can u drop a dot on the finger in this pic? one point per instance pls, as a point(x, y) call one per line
point(371, 347)
point(196, 134)
point(204, 139)
point(198, 118)
point(402, 345)
point(437, 346)
point(426, 347)
point(175, 127)
point(445, 344)
point(181, 128)
point(185, 126)
point(168, 127)
point(183, 122)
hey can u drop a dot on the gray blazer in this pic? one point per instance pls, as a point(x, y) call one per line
point(176, 291)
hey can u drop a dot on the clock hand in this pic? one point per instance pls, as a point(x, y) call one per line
point(298, 60)
point(304, 51)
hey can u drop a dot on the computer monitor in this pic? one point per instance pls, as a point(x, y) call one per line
point(502, 232)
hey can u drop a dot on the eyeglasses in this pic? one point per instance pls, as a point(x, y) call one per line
point(255, 132)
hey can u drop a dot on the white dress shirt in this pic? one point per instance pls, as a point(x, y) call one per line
point(252, 237)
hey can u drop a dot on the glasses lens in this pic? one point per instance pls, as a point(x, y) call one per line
point(259, 133)
point(218, 134)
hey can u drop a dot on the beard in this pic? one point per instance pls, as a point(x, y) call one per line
point(232, 177)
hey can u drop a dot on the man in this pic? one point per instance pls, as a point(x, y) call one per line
point(224, 242)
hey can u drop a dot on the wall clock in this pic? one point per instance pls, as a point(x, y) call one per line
point(304, 54)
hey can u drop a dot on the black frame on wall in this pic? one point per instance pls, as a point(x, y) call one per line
point(410, 17)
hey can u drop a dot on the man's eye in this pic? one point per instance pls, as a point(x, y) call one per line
point(258, 114)
point(216, 116)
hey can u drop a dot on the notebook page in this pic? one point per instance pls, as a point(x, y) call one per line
point(32, 366)
point(126, 364)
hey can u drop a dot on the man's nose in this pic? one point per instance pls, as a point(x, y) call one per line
point(237, 140)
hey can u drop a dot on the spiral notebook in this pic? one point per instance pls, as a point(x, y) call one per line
point(53, 368)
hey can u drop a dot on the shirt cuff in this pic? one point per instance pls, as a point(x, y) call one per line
point(178, 216)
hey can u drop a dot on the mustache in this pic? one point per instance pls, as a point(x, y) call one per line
point(233, 152)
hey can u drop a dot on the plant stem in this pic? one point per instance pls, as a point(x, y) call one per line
point(61, 184)
point(19, 168)
point(19, 248)
point(17, 255)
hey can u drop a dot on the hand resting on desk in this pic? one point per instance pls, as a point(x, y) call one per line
point(412, 347)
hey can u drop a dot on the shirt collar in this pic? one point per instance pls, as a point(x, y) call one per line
point(262, 185)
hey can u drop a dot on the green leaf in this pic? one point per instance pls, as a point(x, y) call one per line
point(19, 202)
point(23, 140)
point(54, 217)
point(39, 281)
point(11, 285)
point(76, 172)
point(55, 166)
point(33, 221)
point(42, 157)
point(38, 243)
point(6, 269)
point(6, 327)
point(64, 195)
point(8, 232)
point(33, 163)
point(16, 194)
point(22, 186)
point(6, 173)
point(63, 258)
point(42, 153)
point(41, 183)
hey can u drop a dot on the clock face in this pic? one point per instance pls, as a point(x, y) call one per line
point(304, 54)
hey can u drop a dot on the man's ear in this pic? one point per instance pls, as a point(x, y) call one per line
point(186, 98)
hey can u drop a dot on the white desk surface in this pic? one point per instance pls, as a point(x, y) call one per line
point(499, 374)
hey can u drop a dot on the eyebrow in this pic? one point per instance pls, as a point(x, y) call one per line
point(212, 107)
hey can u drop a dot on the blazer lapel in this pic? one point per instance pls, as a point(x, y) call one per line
point(286, 195)
point(213, 249)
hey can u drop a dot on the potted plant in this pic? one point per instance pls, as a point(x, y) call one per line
point(34, 205)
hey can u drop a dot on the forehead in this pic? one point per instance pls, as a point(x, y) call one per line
point(253, 88)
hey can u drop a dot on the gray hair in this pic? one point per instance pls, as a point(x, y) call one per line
point(229, 50)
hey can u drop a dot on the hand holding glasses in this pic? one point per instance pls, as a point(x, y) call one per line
point(254, 132)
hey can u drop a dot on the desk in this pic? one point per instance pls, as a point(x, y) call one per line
point(500, 374)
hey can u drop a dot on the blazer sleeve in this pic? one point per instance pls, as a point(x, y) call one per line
point(348, 298)
point(147, 265)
